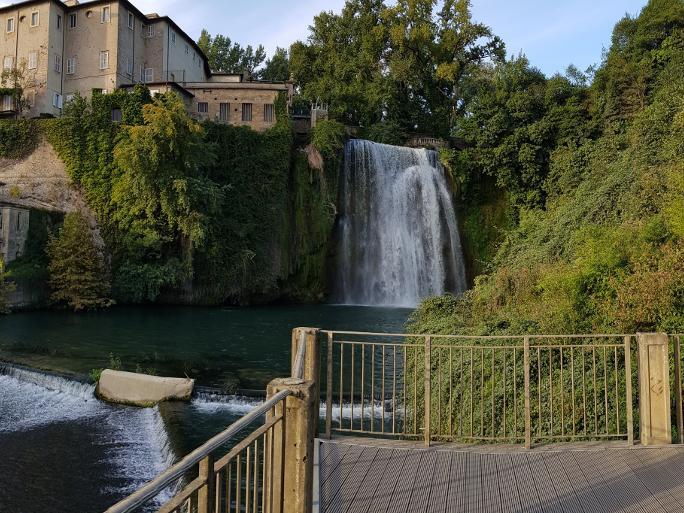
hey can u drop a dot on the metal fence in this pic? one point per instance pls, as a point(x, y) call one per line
point(497, 389)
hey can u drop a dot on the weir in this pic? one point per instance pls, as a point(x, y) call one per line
point(397, 230)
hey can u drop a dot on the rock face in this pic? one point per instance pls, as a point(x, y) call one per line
point(141, 389)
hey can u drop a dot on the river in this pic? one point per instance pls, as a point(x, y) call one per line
point(64, 451)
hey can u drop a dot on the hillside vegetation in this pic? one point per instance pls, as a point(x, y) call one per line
point(595, 179)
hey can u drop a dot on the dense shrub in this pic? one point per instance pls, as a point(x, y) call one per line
point(328, 137)
point(17, 137)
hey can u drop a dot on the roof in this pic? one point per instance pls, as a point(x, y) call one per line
point(173, 85)
point(130, 7)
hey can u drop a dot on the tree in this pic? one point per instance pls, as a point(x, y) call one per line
point(77, 273)
point(15, 81)
point(228, 57)
point(277, 68)
point(6, 287)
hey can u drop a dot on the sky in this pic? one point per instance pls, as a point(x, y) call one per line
point(552, 33)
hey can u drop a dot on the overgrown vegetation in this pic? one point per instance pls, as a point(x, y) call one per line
point(595, 175)
point(78, 278)
point(6, 287)
point(17, 138)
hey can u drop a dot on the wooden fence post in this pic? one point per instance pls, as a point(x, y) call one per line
point(428, 389)
point(291, 475)
point(206, 497)
point(654, 389)
point(312, 358)
point(528, 416)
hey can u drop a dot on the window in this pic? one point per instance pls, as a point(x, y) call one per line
point(33, 60)
point(268, 113)
point(72, 20)
point(8, 62)
point(224, 111)
point(129, 67)
point(10, 24)
point(58, 63)
point(105, 15)
point(104, 60)
point(131, 21)
point(246, 112)
point(173, 37)
point(116, 114)
point(35, 19)
point(57, 100)
point(202, 107)
point(148, 31)
point(187, 49)
point(7, 102)
point(71, 66)
point(148, 76)
point(59, 21)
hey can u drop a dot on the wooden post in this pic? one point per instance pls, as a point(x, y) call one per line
point(528, 416)
point(654, 389)
point(291, 475)
point(312, 358)
point(428, 389)
point(628, 390)
point(206, 496)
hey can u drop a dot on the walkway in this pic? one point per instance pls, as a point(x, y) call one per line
point(364, 475)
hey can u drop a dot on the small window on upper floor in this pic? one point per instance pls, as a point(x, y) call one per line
point(10, 24)
point(187, 49)
point(131, 21)
point(71, 65)
point(58, 63)
point(268, 113)
point(59, 22)
point(147, 30)
point(104, 59)
point(72, 20)
point(8, 62)
point(35, 19)
point(148, 76)
point(202, 107)
point(33, 60)
point(105, 15)
point(173, 37)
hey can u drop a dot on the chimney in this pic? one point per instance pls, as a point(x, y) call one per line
point(71, 3)
point(151, 16)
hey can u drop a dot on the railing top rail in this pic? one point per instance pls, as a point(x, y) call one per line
point(477, 337)
point(166, 478)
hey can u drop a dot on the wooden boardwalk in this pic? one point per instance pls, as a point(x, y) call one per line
point(362, 475)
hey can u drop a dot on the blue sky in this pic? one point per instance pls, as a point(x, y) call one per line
point(552, 33)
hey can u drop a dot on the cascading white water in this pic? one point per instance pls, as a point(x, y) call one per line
point(398, 235)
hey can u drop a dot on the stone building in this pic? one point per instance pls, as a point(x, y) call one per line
point(14, 227)
point(66, 47)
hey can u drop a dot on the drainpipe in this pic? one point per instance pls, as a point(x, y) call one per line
point(16, 57)
point(168, 49)
point(61, 85)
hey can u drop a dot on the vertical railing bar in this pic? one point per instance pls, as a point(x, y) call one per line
point(238, 483)
point(372, 397)
point(584, 389)
point(562, 393)
point(217, 491)
point(264, 473)
point(382, 392)
point(415, 391)
point(482, 403)
point(461, 396)
point(248, 477)
point(451, 392)
point(678, 388)
point(605, 385)
point(255, 498)
point(593, 359)
point(628, 390)
point(329, 389)
point(229, 491)
point(526, 370)
point(472, 392)
point(539, 390)
point(493, 392)
point(438, 351)
point(427, 378)
point(505, 426)
point(515, 393)
point(551, 389)
point(394, 389)
point(363, 381)
point(403, 386)
point(617, 395)
point(572, 386)
point(351, 389)
point(341, 383)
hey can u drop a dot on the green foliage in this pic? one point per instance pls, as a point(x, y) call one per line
point(599, 243)
point(17, 138)
point(77, 272)
point(328, 137)
point(277, 68)
point(6, 287)
point(385, 132)
point(407, 62)
point(227, 57)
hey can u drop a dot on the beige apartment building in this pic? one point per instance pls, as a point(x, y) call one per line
point(66, 47)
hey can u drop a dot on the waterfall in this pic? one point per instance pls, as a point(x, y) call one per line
point(398, 237)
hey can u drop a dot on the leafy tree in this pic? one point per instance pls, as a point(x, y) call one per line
point(77, 272)
point(277, 68)
point(6, 287)
point(226, 56)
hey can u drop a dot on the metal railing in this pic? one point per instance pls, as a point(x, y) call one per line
point(494, 389)
point(676, 343)
point(248, 478)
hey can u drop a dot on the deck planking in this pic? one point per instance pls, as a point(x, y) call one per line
point(363, 475)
